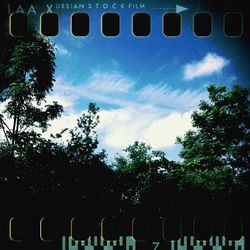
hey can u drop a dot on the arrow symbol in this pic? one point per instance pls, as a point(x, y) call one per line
point(180, 8)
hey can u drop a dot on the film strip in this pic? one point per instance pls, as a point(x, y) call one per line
point(230, 233)
point(141, 24)
point(129, 243)
point(141, 229)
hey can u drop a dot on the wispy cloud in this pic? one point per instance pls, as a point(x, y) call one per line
point(61, 50)
point(211, 63)
point(162, 67)
point(75, 42)
point(154, 114)
point(119, 90)
point(105, 87)
point(173, 98)
point(110, 83)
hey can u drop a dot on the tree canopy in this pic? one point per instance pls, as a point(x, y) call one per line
point(27, 59)
point(215, 153)
point(218, 149)
point(27, 66)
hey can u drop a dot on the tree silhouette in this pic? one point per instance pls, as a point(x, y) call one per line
point(27, 74)
point(216, 154)
point(142, 176)
point(26, 71)
point(84, 141)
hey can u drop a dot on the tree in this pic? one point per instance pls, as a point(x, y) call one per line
point(217, 152)
point(84, 140)
point(27, 74)
point(25, 58)
point(90, 178)
point(142, 175)
point(26, 71)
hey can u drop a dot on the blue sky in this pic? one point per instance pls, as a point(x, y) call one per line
point(146, 88)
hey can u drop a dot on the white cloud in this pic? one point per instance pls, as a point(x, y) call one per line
point(210, 64)
point(154, 114)
point(163, 132)
point(65, 94)
point(2, 107)
point(121, 127)
point(57, 125)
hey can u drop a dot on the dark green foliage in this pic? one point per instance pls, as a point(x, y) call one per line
point(83, 142)
point(75, 177)
point(216, 154)
point(142, 175)
point(26, 71)
point(29, 58)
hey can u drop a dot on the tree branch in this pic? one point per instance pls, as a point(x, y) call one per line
point(4, 123)
point(14, 125)
point(5, 132)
